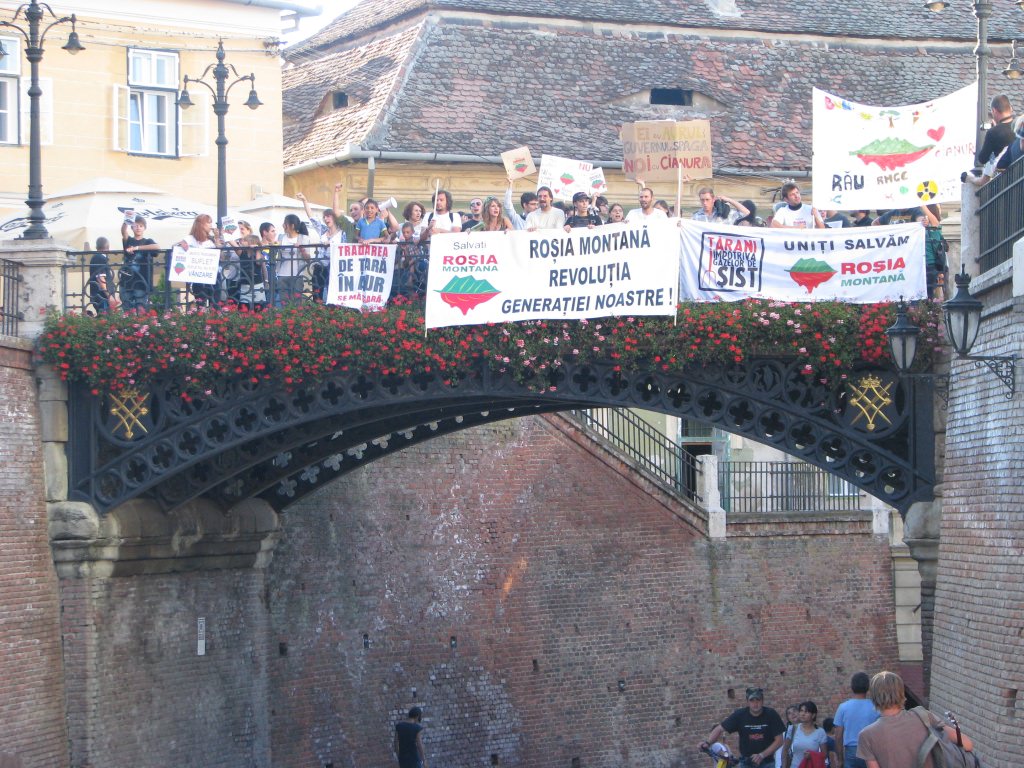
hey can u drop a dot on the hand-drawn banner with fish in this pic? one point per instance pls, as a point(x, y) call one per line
point(891, 157)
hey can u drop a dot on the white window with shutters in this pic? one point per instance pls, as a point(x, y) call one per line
point(147, 120)
point(10, 69)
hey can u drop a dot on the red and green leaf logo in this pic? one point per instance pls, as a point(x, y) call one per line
point(566, 178)
point(520, 166)
point(466, 293)
point(890, 154)
point(810, 273)
point(179, 267)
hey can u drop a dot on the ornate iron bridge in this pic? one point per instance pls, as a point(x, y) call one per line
point(247, 440)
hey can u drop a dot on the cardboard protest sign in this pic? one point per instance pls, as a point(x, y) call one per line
point(728, 263)
point(891, 157)
point(196, 265)
point(518, 163)
point(656, 150)
point(598, 185)
point(616, 269)
point(360, 275)
point(564, 177)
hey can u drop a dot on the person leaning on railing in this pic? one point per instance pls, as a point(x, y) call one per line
point(291, 260)
point(101, 280)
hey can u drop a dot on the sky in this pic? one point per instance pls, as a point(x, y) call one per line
point(310, 25)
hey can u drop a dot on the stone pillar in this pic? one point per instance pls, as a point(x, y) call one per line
point(42, 280)
point(166, 631)
point(707, 487)
point(921, 535)
point(970, 234)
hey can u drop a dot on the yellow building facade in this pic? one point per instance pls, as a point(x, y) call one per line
point(110, 111)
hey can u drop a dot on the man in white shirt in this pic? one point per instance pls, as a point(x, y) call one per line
point(796, 214)
point(646, 211)
point(443, 219)
point(546, 216)
point(711, 212)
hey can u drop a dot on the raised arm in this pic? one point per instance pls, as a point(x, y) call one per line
point(336, 202)
point(305, 205)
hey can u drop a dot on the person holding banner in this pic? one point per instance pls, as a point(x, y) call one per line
point(443, 219)
point(370, 228)
point(582, 215)
point(796, 214)
point(646, 211)
point(203, 235)
point(546, 216)
point(718, 208)
point(492, 219)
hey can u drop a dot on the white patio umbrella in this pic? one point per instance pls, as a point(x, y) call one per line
point(96, 208)
point(274, 208)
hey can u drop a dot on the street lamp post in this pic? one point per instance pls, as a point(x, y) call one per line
point(221, 73)
point(982, 52)
point(34, 13)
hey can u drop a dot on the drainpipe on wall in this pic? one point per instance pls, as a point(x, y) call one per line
point(355, 152)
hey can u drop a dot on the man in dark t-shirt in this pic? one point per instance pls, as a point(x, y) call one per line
point(759, 727)
point(408, 746)
point(137, 272)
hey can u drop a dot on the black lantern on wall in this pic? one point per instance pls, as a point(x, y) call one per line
point(962, 315)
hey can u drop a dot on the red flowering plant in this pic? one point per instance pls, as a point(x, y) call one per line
point(306, 343)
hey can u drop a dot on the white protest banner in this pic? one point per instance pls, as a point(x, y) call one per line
point(656, 150)
point(564, 177)
point(196, 265)
point(495, 277)
point(518, 163)
point(860, 265)
point(360, 275)
point(891, 157)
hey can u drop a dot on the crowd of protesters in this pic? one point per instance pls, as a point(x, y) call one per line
point(262, 266)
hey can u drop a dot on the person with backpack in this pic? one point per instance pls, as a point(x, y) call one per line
point(442, 219)
point(896, 738)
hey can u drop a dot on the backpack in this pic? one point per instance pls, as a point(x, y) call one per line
point(945, 753)
point(935, 249)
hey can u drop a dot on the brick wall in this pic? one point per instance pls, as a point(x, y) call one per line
point(138, 692)
point(31, 687)
point(507, 579)
point(978, 651)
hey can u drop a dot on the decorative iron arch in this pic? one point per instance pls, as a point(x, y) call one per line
point(246, 440)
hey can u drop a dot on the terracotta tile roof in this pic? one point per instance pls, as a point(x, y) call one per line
point(502, 85)
point(907, 19)
point(367, 74)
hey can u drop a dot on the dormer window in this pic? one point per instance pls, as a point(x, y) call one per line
point(675, 97)
point(339, 99)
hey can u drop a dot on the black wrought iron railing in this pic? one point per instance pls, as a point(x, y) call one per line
point(781, 486)
point(1001, 222)
point(10, 313)
point(655, 453)
point(97, 282)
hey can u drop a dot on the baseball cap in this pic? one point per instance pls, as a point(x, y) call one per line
point(580, 196)
point(755, 693)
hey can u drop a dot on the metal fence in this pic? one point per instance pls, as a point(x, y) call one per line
point(10, 280)
point(98, 282)
point(1001, 223)
point(657, 454)
point(783, 486)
